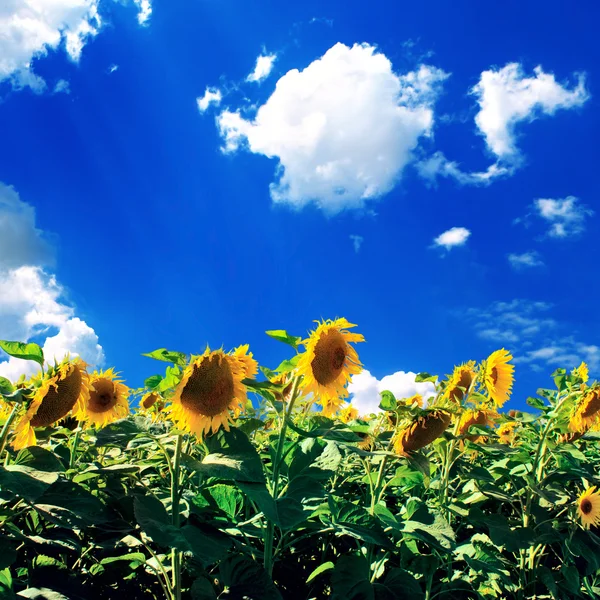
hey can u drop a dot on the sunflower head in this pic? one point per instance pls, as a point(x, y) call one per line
point(507, 432)
point(249, 365)
point(587, 411)
point(588, 508)
point(581, 372)
point(282, 379)
point(459, 384)
point(416, 399)
point(421, 432)
point(108, 399)
point(211, 386)
point(328, 362)
point(570, 437)
point(498, 376)
point(62, 389)
point(348, 413)
point(482, 418)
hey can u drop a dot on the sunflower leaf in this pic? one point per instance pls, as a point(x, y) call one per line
point(423, 377)
point(177, 358)
point(6, 387)
point(283, 336)
point(22, 350)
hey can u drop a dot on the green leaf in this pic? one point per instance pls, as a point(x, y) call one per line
point(422, 377)
point(246, 578)
point(320, 569)
point(27, 483)
point(544, 574)
point(350, 579)
point(288, 365)
point(355, 521)
point(431, 529)
point(154, 521)
point(202, 589)
point(41, 594)
point(6, 387)
point(206, 543)
point(153, 381)
point(536, 403)
point(177, 358)
point(227, 497)
point(402, 584)
point(388, 401)
point(283, 336)
point(119, 433)
point(40, 459)
point(25, 351)
point(132, 557)
point(8, 553)
point(6, 588)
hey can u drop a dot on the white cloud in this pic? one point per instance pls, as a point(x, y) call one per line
point(20, 241)
point(365, 389)
point(31, 28)
point(211, 96)
point(32, 304)
point(62, 87)
point(113, 68)
point(343, 129)
point(566, 216)
point(144, 11)
point(357, 241)
point(526, 260)
point(263, 67)
point(456, 236)
point(507, 97)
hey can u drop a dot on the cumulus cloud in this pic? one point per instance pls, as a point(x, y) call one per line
point(211, 96)
point(21, 242)
point(526, 260)
point(507, 97)
point(263, 67)
point(365, 389)
point(565, 216)
point(32, 302)
point(31, 28)
point(342, 130)
point(455, 236)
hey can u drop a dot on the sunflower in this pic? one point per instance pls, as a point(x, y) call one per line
point(587, 412)
point(569, 438)
point(328, 362)
point(416, 399)
point(249, 365)
point(483, 418)
point(151, 404)
point(421, 432)
point(211, 386)
point(506, 432)
point(367, 442)
point(280, 380)
point(63, 389)
point(108, 400)
point(582, 372)
point(460, 382)
point(588, 508)
point(348, 413)
point(498, 376)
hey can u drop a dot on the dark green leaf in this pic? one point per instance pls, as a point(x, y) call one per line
point(6, 387)
point(350, 579)
point(246, 578)
point(40, 459)
point(326, 566)
point(154, 521)
point(202, 589)
point(25, 482)
point(153, 381)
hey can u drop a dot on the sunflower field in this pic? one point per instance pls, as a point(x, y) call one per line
point(223, 479)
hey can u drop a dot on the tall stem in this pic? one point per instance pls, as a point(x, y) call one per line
point(270, 529)
point(6, 428)
point(74, 448)
point(176, 554)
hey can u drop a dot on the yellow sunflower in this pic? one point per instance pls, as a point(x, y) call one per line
point(588, 508)
point(63, 389)
point(483, 418)
point(582, 372)
point(416, 399)
point(108, 400)
point(587, 411)
point(498, 376)
point(152, 405)
point(211, 386)
point(249, 365)
point(328, 362)
point(348, 413)
point(507, 432)
point(421, 432)
point(460, 382)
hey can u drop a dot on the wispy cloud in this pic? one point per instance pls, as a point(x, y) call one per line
point(565, 216)
point(357, 241)
point(526, 260)
point(211, 96)
point(263, 67)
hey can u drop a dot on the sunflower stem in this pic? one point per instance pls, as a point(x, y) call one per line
point(6, 428)
point(74, 448)
point(175, 554)
point(270, 529)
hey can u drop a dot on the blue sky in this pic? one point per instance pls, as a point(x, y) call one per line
point(134, 220)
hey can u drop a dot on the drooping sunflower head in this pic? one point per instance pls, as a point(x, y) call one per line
point(421, 431)
point(249, 365)
point(588, 508)
point(482, 418)
point(151, 405)
point(211, 386)
point(348, 413)
point(582, 372)
point(328, 362)
point(108, 400)
point(498, 376)
point(460, 381)
point(62, 389)
point(507, 432)
point(587, 411)
point(283, 380)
